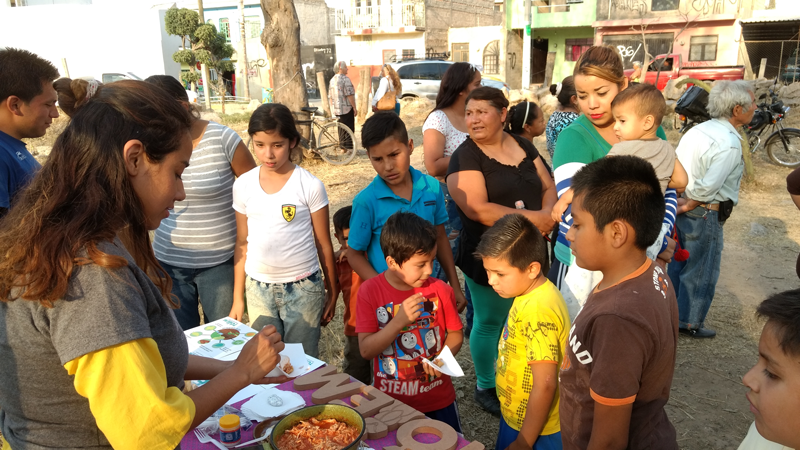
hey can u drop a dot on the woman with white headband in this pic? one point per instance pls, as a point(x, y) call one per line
point(563, 116)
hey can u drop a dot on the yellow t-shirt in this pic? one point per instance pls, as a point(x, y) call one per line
point(536, 332)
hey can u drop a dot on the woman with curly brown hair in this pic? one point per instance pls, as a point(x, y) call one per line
point(390, 82)
point(92, 353)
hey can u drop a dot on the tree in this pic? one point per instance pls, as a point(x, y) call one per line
point(183, 23)
point(214, 51)
point(641, 28)
point(281, 38)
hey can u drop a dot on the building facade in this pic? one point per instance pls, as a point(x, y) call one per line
point(374, 32)
point(702, 32)
point(560, 31)
point(316, 38)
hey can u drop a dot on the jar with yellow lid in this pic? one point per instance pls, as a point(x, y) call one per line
point(230, 432)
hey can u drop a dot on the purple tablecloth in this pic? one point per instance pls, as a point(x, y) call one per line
point(190, 441)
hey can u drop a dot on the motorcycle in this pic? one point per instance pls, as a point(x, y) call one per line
point(782, 144)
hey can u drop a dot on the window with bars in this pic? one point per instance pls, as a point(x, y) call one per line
point(460, 52)
point(408, 53)
point(703, 48)
point(252, 26)
point(491, 58)
point(574, 48)
point(664, 5)
point(225, 28)
point(550, 6)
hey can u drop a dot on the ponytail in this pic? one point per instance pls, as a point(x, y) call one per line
point(522, 114)
point(564, 91)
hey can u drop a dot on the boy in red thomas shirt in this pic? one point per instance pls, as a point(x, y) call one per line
point(404, 316)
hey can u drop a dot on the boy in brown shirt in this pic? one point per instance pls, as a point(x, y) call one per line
point(616, 377)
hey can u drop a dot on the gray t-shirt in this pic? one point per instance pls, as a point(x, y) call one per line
point(657, 152)
point(201, 230)
point(102, 308)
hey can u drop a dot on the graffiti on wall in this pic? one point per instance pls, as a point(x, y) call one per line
point(705, 7)
point(628, 52)
point(636, 6)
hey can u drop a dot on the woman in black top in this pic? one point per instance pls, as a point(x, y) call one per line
point(493, 174)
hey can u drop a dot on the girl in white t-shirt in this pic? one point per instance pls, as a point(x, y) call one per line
point(282, 235)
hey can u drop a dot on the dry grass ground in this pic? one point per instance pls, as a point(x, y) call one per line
point(707, 404)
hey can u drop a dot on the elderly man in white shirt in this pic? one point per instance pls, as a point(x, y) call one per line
point(712, 155)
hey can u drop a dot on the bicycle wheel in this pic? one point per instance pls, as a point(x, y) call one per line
point(336, 144)
point(787, 155)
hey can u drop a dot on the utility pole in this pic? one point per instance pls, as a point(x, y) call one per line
point(526, 48)
point(206, 75)
point(243, 57)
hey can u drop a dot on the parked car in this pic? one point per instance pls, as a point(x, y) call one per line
point(670, 66)
point(110, 77)
point(422, 78)
point(791, 70)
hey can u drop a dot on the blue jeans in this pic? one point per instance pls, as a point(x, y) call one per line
point(295, 308)
point(695, 280)
point(448, 415)
point(211, 287)
point(507, 435)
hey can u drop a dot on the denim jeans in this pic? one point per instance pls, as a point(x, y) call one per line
point(695, 280)
point(211, 287)
point(295, 308)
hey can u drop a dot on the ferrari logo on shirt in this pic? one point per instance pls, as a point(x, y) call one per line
point(288, 212)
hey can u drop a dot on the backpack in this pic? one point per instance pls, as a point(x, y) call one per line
point(692, 104)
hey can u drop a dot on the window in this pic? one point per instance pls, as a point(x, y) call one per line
point(408, 72)
point(491, 58)
point(664, 5)
point(252, 26)
point(661, 64)
point(703, 48)
point(428, 72)
point(574, 48)
point(460, 52)
point(408, 54)
point(550, 6)
point(225, 29)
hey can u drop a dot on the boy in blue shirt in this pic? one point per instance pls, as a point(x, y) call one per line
point(27, 108)
point(398, 187)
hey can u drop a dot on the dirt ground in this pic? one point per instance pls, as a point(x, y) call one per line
point(707, 403)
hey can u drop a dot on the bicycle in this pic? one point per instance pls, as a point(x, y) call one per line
point(331, 142)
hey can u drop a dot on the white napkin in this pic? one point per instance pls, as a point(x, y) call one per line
point(259, 409)
point(450, 366)
point(296, 356)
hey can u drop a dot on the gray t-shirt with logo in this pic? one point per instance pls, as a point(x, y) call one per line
point(102, 308)
point(659, 153)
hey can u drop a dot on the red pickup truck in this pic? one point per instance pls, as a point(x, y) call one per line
point(667, 67)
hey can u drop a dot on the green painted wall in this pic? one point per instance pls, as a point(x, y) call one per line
point(556, 38)
point(579, 15)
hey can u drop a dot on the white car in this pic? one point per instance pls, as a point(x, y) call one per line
point(421, 78)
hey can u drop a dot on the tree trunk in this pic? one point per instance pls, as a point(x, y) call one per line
point(281, 38)
point(323, 93)
point(245, 74)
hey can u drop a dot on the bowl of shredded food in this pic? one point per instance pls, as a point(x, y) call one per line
point(319, 427)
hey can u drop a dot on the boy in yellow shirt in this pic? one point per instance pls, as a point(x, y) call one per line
point(531, 347)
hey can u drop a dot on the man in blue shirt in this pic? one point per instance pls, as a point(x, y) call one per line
point(398, 187)
point(27, 108)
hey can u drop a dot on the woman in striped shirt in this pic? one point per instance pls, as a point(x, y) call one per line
point(195, 243)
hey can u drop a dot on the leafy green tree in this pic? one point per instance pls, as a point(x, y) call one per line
point(214, 51)
point(201, 43)
point(183, 23)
